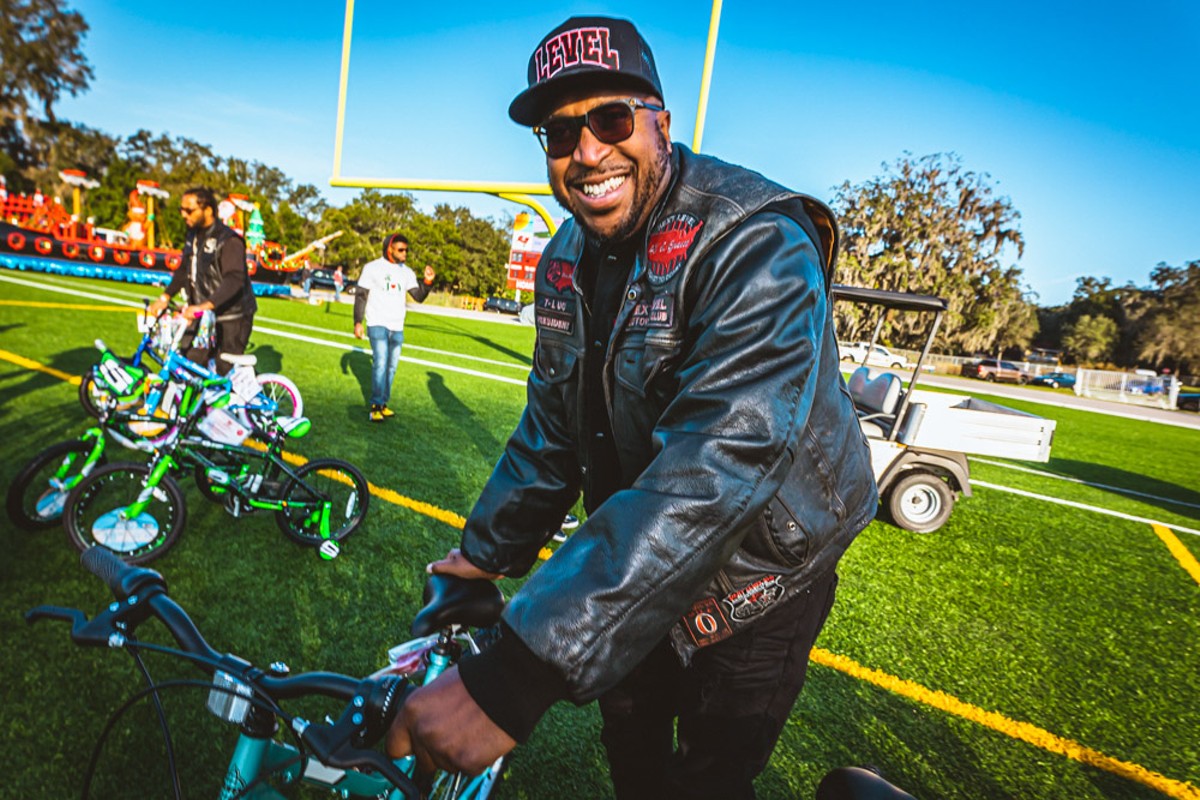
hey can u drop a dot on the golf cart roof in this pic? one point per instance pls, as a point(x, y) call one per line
point(889, 299)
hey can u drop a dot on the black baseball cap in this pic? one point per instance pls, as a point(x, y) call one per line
point(584, 53)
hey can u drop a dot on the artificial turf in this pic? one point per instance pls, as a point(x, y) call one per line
point(1081, 624)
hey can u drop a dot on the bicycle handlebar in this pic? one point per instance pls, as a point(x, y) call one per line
point(141, 593)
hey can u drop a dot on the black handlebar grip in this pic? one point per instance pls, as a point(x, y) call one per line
point(105, 565)
point(121, 578)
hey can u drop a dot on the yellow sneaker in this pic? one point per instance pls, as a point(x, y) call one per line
point(387, 412)
point(376, 414)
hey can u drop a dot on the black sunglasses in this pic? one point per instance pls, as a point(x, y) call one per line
point(610, 123)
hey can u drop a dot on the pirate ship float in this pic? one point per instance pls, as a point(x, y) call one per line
point(37, 233)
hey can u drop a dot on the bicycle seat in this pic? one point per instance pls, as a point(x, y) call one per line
point(856, 783)
point(240, 360)
point(450, 600)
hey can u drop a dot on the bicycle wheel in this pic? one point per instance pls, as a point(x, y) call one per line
point(277, 397)
point(281, 391)
point(95, 399)
point(325, 480)
point(96, 513)
point(38, 494)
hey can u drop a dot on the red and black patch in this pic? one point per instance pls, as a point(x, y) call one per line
point(559, 274)
point(669, 245)
point(752, 600)
point(706, 623)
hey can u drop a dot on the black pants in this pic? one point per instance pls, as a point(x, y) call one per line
point(731, 703)
point(232, 336)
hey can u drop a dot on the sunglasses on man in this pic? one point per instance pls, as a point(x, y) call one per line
point(610, 123)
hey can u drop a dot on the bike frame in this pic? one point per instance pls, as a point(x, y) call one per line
point(257, 753)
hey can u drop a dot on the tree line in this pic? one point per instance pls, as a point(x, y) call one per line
point(926, 224)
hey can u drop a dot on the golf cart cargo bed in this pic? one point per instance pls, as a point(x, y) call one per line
point(976, 427)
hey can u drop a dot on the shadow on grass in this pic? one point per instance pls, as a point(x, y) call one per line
point(461, 415)
point(359, 365)
point(443, 326)
point(73, 362)
point(269, 359)
point(1162, 494)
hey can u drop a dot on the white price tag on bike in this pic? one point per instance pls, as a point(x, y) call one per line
point(245, 385)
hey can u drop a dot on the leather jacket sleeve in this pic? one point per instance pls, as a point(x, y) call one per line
point(735, 404)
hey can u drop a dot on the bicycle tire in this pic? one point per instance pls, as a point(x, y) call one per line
point(93, 514)
point(330, 479)
point(37, 512)
point(284, 401)
point(96, 401)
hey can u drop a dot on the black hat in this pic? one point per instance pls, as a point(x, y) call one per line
point(584, 52)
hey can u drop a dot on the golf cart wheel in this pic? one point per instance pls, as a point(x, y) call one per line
point(920, 502)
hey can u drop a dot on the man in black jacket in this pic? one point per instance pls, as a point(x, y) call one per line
point(212, 277)
point(686, 381)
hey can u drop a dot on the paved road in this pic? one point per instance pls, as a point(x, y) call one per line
point(1065, 399)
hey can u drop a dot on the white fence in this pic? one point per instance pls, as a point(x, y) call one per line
point(1159, 391)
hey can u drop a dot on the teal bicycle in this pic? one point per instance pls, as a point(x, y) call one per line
point(335, 754)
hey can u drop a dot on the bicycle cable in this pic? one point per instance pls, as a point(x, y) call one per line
point(162, 722)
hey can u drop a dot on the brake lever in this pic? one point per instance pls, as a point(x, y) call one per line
point(366, 719)
point(72, 615)
point(98, 631)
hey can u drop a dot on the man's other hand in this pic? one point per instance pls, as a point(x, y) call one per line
point(358, 330)
point(443, 727)
point(455, 563)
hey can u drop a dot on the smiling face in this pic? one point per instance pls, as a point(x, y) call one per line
point(612, 188)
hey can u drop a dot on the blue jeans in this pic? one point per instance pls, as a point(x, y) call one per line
point(385, 357)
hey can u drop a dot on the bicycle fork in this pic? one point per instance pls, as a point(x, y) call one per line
point(157, 472)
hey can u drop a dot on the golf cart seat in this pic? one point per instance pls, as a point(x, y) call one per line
point(875, 400)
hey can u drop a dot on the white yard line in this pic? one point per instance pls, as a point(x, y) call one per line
point(272, 331)
point(1105, 486)
point(1085, 507)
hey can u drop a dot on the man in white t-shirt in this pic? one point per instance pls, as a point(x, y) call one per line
point(380, 297)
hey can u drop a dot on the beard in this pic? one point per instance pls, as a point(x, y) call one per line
point(645, 193)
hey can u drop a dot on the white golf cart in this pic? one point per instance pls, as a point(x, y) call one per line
point(920, 439)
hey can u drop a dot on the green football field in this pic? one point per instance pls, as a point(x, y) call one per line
point(1043, 644)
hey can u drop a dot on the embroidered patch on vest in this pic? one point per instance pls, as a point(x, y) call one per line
point(555, 314)
point(669, 245)
point(706, 623)
point(752, 600)
point(559, 274)
point(657, 312)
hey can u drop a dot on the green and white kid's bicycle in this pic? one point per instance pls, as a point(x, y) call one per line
point(336, 755)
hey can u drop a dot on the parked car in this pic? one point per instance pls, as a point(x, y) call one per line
point(1054, 380)
point(323, 279)
point(1188, 401)
point(879, 356)
point(502, 305)
point(1146, 386)
point(992, 369)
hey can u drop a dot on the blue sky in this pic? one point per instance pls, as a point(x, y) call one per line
point(1086, 115)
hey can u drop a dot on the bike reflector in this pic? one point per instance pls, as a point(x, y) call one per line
point(227, 698)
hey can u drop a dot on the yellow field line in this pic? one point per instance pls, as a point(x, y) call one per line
point(71, 306)
point(1024, 731)
point(26, 363)
point(1184, 556)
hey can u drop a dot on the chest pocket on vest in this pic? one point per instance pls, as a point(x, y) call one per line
point(554, 364)
point(639, 364)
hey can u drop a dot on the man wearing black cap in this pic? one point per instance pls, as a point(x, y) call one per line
point(686, 381)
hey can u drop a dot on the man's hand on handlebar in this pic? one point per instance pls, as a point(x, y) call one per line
point(455, 563)
point(158, 306)
point(444, 728)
